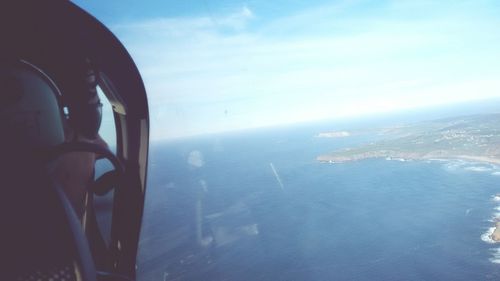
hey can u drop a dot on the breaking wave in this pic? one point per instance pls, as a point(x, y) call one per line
point(486, 237)
point(479, 169)
point(496, 255)
point(462, 165)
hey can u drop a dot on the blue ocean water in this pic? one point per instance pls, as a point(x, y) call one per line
point(255, 205)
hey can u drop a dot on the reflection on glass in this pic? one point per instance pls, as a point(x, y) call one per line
point(318, 140)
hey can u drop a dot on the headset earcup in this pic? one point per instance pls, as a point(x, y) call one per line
point(30, 110)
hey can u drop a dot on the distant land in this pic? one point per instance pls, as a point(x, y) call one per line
point(333, 134)
point(472, 137)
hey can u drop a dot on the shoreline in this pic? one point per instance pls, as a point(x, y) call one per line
point(495, 233)
point(377, 155)
point(485, 159)
point(495, 236)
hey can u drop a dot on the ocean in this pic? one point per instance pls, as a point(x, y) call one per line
point(256, 205)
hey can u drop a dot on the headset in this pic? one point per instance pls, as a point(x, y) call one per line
point(32, 106)
point(29, 107)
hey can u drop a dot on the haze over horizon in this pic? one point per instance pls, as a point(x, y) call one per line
point(228, 65)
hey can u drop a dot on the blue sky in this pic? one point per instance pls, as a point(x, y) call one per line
point(213, 66)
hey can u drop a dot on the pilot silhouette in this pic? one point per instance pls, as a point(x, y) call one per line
point(75, 170)
point(52, 56)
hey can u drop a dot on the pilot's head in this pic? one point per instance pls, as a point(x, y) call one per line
point(36, 117)
point(30, 113)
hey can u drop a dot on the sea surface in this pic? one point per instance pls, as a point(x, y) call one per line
point(255, 205)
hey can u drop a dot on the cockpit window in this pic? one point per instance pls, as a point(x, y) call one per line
point(318, 140)
point(107, 130)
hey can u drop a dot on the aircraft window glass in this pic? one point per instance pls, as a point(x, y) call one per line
point(107, 130)
point(316, 140)
point(103, 204)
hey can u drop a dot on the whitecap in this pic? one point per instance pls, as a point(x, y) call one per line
point(486, 237)
point(496, 198)
point(453, 165)
point(496, 255)
point(472, 166)
point(478, 169)
point(495, 260)
point(439, 160)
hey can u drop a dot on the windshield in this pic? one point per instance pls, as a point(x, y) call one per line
point(318, 140)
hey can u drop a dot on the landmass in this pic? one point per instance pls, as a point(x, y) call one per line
point(334, 134)
point(473, 137)
point(495, 236)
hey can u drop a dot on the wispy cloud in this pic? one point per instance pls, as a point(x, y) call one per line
point(214, 73)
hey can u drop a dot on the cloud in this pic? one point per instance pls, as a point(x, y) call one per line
point(182, 26)
point(222, 72)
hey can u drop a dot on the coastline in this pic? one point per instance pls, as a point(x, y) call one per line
point(490, 160)
point(494, 233)
point(468, 141)
point(405, 156)
point(495, 236)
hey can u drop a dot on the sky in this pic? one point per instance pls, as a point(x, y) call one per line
point(212, 66)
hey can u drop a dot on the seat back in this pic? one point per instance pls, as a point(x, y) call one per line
point(41, 237)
